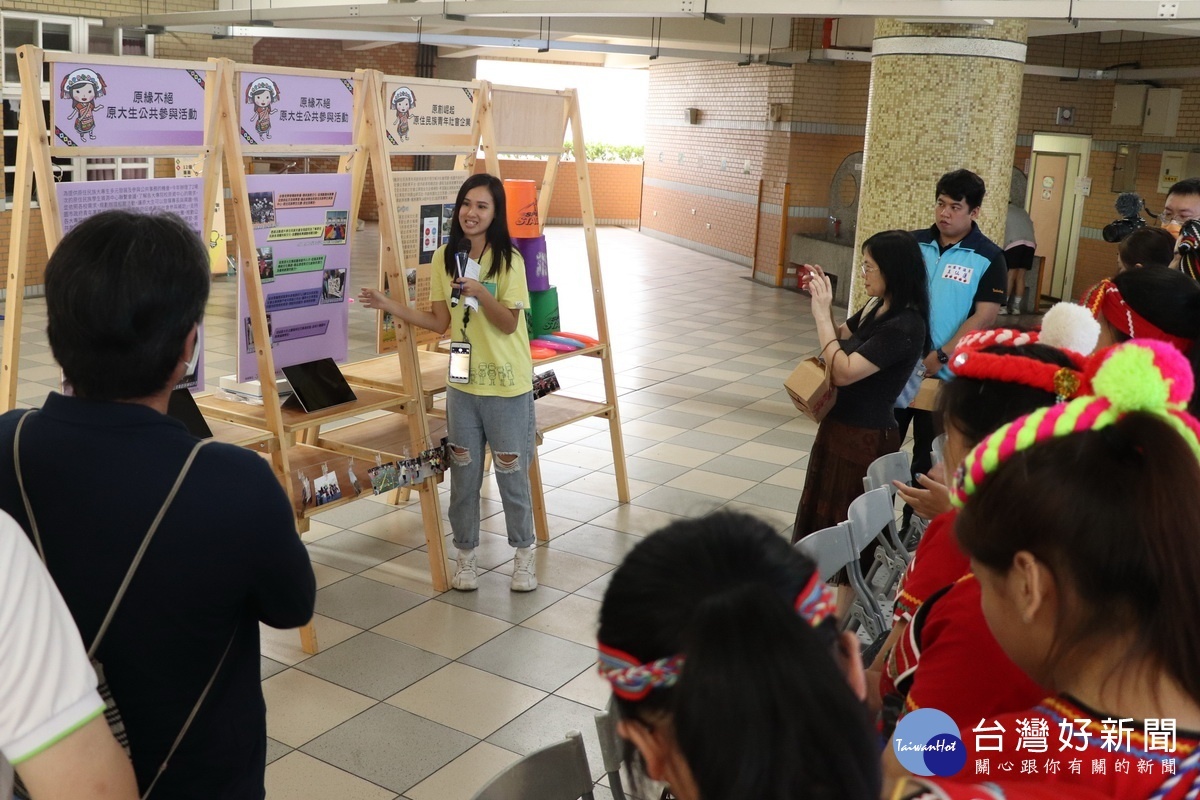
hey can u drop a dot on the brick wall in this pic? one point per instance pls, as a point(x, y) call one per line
point(712, 167)
point(716, 166)
point(616, 189)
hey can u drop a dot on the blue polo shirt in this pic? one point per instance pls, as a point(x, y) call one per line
point(967, 272)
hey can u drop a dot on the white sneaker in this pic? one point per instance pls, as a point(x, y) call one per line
point(465, 578)
point(523, 579)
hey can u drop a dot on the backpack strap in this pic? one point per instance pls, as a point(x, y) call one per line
point(137, 558)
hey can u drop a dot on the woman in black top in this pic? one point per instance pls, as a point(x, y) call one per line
point(871, 358)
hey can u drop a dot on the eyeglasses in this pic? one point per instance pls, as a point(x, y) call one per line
point(1166, 219)
point(864, 268)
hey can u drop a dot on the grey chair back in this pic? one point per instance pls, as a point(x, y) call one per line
point(830, 548)
point(558, 771)
point(610, 750)
point(883, 470)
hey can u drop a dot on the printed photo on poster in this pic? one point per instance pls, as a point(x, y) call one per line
point(266, 264)
point(250, 333)
point(333, 286)
point(262, 209)
point(431, 232)
point(335, 226)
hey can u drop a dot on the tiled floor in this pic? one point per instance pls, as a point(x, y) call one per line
point(423, 695)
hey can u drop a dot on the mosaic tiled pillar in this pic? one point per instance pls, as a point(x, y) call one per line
point(942, 97)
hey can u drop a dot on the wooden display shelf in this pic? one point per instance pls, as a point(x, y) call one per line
point(556, 411)
point(295, 418)
point(595, 351)
point(384, 373)
point(387, 436)
point(559, 410)
point(242, 436)
point(308, 459)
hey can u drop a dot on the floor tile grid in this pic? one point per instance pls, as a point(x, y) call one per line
point(419, 695)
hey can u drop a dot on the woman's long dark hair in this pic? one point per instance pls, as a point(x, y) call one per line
point(497, 233)
point(1113, 514)
point(903, 269)
point(757, 679)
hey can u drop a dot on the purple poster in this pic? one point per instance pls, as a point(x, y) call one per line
point(182, 196)
point(302, 231)
point(99, 105)
point(295, 109)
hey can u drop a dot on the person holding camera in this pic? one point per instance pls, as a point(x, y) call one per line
point(871, 358)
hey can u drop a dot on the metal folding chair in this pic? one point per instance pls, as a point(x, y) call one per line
point(830, 548)
point(868, 514)
point(556, 772)
point(610, 750)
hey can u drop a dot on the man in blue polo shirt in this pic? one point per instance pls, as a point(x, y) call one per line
point(967, 278)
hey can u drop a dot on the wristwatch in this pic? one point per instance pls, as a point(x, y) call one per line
point(942, 357)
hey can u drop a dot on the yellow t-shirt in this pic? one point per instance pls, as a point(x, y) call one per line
point(501, 365)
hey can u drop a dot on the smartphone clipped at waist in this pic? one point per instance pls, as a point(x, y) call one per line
point(460, 362)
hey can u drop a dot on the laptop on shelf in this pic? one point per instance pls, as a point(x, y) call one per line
point(317, 385)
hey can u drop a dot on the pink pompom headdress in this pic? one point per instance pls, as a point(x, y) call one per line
point(1141, 375)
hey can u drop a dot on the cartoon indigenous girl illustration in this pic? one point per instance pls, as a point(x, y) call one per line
point(261, 93)
point(403, 101)
point(82, 87)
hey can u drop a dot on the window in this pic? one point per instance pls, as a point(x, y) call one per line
point(65, 35)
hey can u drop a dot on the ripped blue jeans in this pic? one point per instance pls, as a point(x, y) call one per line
point(506, 424)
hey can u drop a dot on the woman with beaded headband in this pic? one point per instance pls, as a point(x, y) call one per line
point(262, 93)
point(730, 678)
point(1161, 304)
point(82, 87)
point(941, 654)
point(1089, 583)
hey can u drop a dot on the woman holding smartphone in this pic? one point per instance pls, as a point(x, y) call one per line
point(479, 292)
point(870, 360)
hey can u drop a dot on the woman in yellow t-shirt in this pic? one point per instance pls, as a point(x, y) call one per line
point(489, 399)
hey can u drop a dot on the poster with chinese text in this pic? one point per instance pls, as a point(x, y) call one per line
point(182, 196)
point(427, 114)
point(109, 106)
point(295, 109)
point(302, 231)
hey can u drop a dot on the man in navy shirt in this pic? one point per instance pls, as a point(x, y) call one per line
point(125, 294)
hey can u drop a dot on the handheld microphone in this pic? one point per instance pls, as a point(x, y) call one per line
point(461, 255)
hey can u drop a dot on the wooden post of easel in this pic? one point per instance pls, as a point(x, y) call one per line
point(393, 266)
point(524, 121)
point(34, 150)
